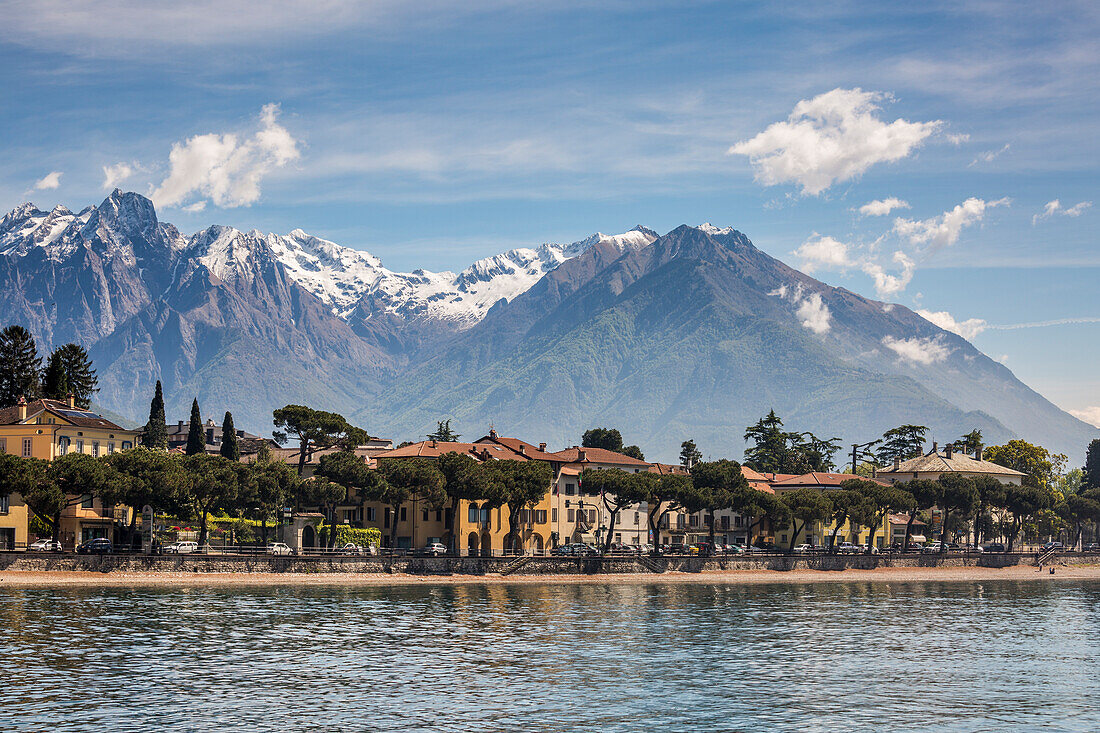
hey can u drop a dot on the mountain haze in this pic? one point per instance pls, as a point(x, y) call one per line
point(692, 334)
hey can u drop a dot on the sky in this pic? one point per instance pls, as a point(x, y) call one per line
point(939, 155)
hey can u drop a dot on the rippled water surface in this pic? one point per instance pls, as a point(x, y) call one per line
point(992, 656)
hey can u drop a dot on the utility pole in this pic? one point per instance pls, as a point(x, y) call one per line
point(858, 451)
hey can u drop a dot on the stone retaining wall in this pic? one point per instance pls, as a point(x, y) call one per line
point(497, 565)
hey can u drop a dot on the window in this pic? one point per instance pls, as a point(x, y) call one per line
point(725, 522)
point(570, 489)
point(404, 515)
point(371, 514)
point(86, 501)
point(80, 446)
point(591, 516)
point(386, 522)
point(4, 505)
point(693, 521)
point(554, 515)
point(619, 535)
point(448, 519)
point(637, 519)
point(110, 448)
point(439, 515)
point(540, 516)
point(474, 514)
point(424, 514)
point(62, 446)
point(28, 445)
point(569, 515)
point(3, 445)
point(127, 445)
point(95, 449)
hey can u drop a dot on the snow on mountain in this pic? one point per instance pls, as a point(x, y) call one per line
point(27, 227)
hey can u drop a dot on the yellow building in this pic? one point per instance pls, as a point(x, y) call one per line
point(48, 429)
point(13, 522)
point(820, 534)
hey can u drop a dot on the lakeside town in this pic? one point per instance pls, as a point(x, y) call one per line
point(74, 480)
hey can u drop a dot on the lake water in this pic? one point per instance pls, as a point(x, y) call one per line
point(853, 656)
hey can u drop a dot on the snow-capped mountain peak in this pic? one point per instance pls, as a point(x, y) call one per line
point(713, 230)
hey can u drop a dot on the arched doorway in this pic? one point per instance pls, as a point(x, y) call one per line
point(487, 545)
point(536, 544)
point(472, 544)
point(309, 537)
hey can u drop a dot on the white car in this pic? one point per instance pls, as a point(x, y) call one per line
point(434, 549)
point(802, 549)
point(279, 548)
point(350, 549)
point(182, 548)
point(46, 546)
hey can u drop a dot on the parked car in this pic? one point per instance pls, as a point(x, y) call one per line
point(1092, 547)
point(994, 547)
point(1057, 546)
point(577, 549)
point(98, 546)
point(350, 548)
point(279, 548)
point(932, 548)
point(434, 549)
point(46, 546)
point(802, 549)
point(182, 548)
point(847, 548)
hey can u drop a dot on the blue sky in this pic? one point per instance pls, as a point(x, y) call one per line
point(432, 134)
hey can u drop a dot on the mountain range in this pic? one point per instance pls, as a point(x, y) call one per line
point(695, 333)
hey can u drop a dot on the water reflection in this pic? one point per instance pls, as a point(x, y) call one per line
point(830, 656)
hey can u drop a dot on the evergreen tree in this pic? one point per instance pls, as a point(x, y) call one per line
point(606, 438)
point(1092, 465)
point(903, 442)
point(19, 366)
point(69, 369)
point(634, 451)
point(443, 433)
point(196, 441)
point(231, 449)
point(689, 454)
point(156, 430)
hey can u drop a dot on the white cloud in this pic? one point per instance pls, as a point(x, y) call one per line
point(918, 350)
point(882, 207)
point(48, 182)
point(195, 207)
point(958, 138)
point(968, 329)
point(887, 284)
point(835, 136)
point(1054, 207)
point(116, 174)
point(823, 251)
point(812, 311)
point(225, 169)
point(943, 230)
point(989, 155)
point(814, 314)
point(1090, 414)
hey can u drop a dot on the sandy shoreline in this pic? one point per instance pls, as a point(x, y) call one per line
point(33, 579)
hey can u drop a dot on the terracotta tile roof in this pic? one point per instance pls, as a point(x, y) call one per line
point(519, 446)
point(904, 519)
point(937, 462)
point(73, 415)
point(596, 455)
point(751, 475)
point(435, 448)
point(666, 469)
point(816, 478)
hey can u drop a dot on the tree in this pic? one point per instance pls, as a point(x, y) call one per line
point(607, 438)
point(51, 487)
point(156, 430)
point(271, 485)
point(991, 493)
point(634, 452)
point(19, 366)
point(970, 443)
point(406, 479)
point(1023, 501)
point(903, 442)
point(525, 483)
point(1091, 479)
point(777, 451)
point(619, 490)
point(723, 484)
point(806, 506)
point(69, 370)
point(689, 454)
point(817, 454)
point(926, 494)
point(845, 501)
point(230, 447)
point(212, 483)
point(769, 508)
point(664, 497)
point(1041, 466)
point(959, 500)
point(315, 430)
point(152, 477)
point(1077, 509)
point(196, 438)
point(878, 501)
point(443, 433)
point(466, 479)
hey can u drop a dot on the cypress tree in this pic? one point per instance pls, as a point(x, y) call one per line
point(19, 366)
point(196, 441)
point(230, 449)
point(156, 430)
point(55, 385)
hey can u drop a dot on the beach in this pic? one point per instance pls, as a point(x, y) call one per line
point(32, 579)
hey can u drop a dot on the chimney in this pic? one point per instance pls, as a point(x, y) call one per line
point(542, 447)
point(22, 408)
point(897, 463)
point(72, 400)
point(492, 433)
point(978, 453)
point(180, 426)
point(950, 450)
point(433, 442)
point(522, 449)
point(935, 447)
point(580, 456)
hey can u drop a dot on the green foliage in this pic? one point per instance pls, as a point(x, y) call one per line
point(606, 438)
point(689, 454)
point(619, 490)
point(970, 442)
point(68, 369)
point(196, 439)
point(369, 537)
point(230, 447)
point(1092, 465)
point(1023, 502)
point(443, 432)
point(1041, 466)
point(777, 451)
point(634, 452)
point(150, 476)
point(212, 483)
point(806, 506)
point(156, 430)
point(959, 500)
point(903, 442)
point(19, 366)
point(315, 430)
